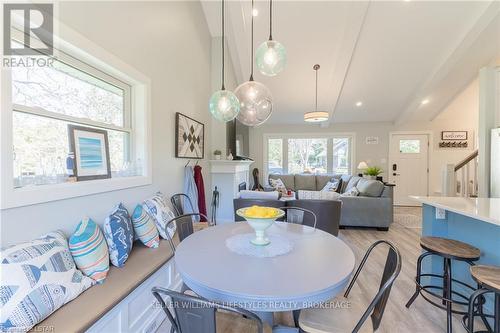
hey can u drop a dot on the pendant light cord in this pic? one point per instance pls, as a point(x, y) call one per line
point(316, 69)
point(223, 42)
point(251, 46)
point(270, 19)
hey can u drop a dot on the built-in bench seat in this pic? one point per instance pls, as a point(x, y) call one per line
point(124, 301)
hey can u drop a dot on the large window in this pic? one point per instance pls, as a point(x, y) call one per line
point(308, 154)
point(46, 99)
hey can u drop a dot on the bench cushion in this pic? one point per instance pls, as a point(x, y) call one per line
point(81, 313)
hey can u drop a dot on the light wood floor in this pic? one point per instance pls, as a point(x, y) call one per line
point(404, 233)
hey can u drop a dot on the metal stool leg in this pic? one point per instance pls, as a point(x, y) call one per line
point(497, 313)
point(448, 287)
point(417, 288)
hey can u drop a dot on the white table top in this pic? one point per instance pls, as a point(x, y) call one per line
point(484, 209)
point(318, 268)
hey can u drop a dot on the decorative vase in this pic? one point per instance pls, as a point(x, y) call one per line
point(260, 225)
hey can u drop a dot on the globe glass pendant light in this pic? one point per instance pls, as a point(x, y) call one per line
point(224, 105)
point(316, 116)
point(256, 101)
point(270, 56)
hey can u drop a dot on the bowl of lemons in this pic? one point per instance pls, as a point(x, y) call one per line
point(260, 219)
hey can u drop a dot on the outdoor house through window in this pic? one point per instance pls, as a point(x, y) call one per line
point(314, 155)
point(47, 99)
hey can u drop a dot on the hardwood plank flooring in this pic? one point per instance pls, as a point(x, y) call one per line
point(404, 233)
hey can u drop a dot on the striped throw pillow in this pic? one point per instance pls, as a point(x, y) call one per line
point(145, 228)
point(90, 251)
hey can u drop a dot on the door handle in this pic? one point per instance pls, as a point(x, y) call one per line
point(395, 174)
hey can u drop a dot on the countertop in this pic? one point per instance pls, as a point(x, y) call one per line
point(484, 209)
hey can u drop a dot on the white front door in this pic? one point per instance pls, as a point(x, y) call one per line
point(408, 167)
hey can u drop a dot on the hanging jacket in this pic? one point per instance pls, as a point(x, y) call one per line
point(198, 179)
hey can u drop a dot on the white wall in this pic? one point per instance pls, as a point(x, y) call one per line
point(167, 41)
point(460, 114)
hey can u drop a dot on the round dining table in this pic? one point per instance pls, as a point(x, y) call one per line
point(317, 268)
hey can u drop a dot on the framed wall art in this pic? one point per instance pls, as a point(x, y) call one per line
point(189, 137)
point(91, 150)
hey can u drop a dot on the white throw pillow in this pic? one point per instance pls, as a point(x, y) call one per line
point(161, 214)
point(317, 195)
point(352, 192)
point(331, 186)
point(38, 277)
point(278, 184)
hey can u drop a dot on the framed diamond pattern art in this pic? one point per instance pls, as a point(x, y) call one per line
point(189, 137)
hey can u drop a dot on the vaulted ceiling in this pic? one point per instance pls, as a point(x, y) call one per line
point(390, 55)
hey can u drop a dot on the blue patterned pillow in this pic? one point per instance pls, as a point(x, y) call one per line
point(161, 214)
point(119, 235)
point(38, 277)
point(145, 228)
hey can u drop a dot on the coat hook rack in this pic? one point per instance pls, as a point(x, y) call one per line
point(189, 161)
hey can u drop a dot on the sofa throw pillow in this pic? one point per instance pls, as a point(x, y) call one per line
point(331, 186)
point(352, 192)
point(161, 214)
point(145, 228)
point(38, 277)
point(89, 250)
point(353, 182)
point(370, 188)
point(277, 184)
point(119, 234)
point(317, 195)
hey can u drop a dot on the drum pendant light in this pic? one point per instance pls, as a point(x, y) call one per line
point(256, 101)
point(224, 105)
point(271, 55)
point(316, 116)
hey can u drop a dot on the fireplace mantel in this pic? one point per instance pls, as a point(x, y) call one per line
point(227, 176)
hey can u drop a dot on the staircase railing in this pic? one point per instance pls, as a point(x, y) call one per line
point(461, 179)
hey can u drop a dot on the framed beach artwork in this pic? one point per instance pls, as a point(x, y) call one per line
point(91, 149)
point(189, 137)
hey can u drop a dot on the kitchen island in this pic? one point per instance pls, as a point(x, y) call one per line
point(475, 221)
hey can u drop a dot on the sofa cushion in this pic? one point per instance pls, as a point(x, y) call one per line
point(370, 188)
point(119, 235)
point(352, 183)
point(288, 180)
point(145, 228)
point(321, 180)
point(38, 277)
point(352, 192)
point(89, 250)
point(305, 182)
point(345, 180)
point(332, 186)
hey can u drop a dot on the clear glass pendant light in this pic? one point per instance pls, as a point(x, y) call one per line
point(316, 116)
point(270, 56)
point(224, 105)
point(256, 101)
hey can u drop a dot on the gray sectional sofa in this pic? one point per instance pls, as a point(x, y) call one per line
point(372, 208)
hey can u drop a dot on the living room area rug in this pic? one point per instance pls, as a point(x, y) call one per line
point(408, 217)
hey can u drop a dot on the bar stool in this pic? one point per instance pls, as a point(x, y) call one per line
point(488, 278)
point(449, 250)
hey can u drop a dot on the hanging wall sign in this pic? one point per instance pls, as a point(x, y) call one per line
point(454, 139)
point(371, 140)
point(189, 137)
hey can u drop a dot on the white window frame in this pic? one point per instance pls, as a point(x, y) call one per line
point(137, 122)
point(329, 136)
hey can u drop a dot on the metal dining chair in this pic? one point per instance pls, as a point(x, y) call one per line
point(300, 215)
point(191, 314)
point(178, 201)
point(340, 320)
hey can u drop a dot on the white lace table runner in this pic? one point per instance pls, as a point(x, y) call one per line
point(240, 244)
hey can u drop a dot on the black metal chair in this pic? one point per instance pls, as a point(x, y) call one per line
point(184, 227)
point(178, 201)
point(327, 213)
point(196, 315)
point(306, 216)
point(340, 319)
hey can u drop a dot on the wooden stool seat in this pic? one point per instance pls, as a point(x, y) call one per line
point(487, 276)
point(450, 248)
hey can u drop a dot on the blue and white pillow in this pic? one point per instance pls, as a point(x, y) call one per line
point(161, 214)
point(38, 277)
point(352, 192)
point(119, 234)
point(145, 228)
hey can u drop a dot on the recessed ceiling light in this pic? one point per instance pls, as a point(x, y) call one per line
point(255, 12)
point(359, 104)
point(425, 101)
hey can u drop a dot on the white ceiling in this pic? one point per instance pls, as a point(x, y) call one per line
point(388, 54)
